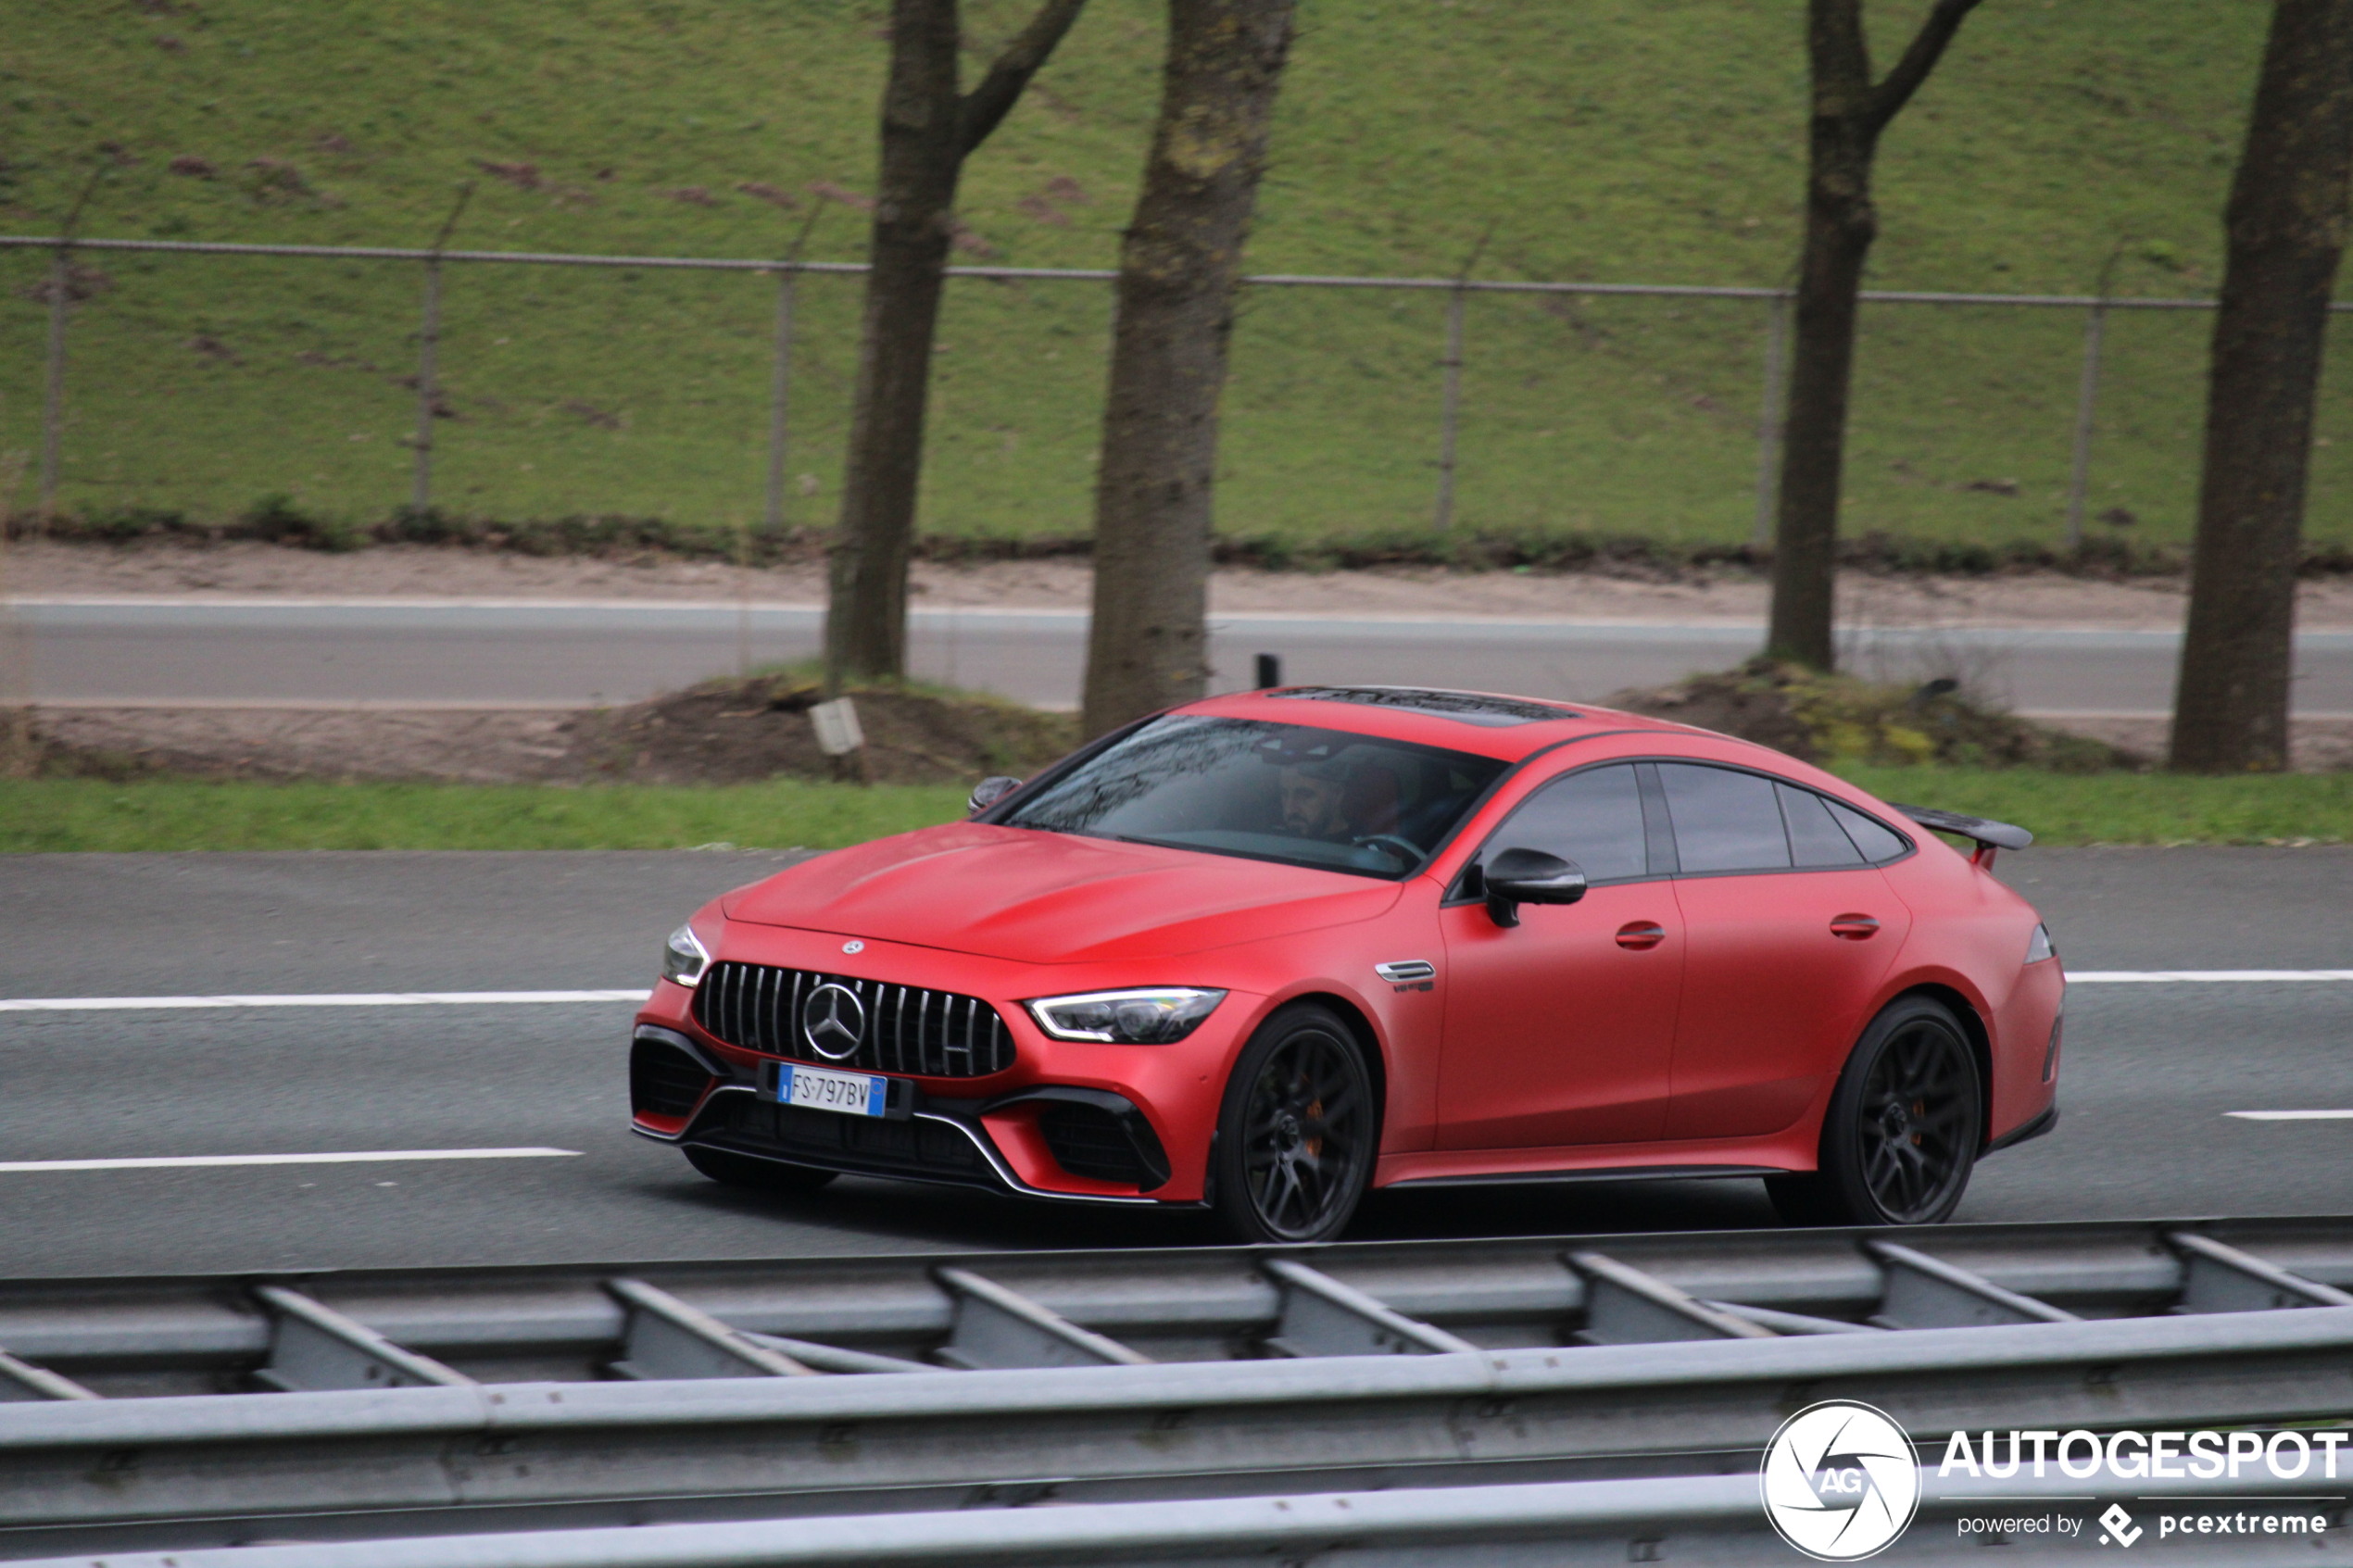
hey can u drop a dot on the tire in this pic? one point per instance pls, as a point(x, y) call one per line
point(1298, 1131)
point(747, 1174)
point(1903, 1129)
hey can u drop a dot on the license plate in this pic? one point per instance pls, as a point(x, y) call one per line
point(851, 1093)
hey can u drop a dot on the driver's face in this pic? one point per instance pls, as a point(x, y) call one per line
point(1311, 806)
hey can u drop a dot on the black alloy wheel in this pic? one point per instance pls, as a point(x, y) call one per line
point(1903, 1130)
point(1298, 1131)
point(744, 1172)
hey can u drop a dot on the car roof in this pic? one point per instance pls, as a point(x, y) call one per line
point(1484, 723)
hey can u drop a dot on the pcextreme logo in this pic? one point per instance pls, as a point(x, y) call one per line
point(1839, 1481)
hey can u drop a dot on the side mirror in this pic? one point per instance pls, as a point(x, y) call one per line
point(1529, 876)
point(990, 791)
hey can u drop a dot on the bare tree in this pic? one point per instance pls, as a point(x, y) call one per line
point(1179, 266)
point(1849, 113)
point(2286, 231)
point(928, 128)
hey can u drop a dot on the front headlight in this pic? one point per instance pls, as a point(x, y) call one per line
point(2038, 947)
point(1151, 1017)
point(682, 958)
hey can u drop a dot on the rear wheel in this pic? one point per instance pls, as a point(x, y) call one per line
point(1902, 1133)
point(1299, 1130)
point(741, 1170)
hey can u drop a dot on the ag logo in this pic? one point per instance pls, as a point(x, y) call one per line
point(833, 1020)
point(1839, 1481)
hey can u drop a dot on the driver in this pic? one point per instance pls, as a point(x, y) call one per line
point(1311, 796)
point(1339, 801)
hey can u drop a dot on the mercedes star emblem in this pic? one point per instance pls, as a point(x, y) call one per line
point(833, 1020)
point(853, 947)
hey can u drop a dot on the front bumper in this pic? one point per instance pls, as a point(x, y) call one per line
point(921, 1136)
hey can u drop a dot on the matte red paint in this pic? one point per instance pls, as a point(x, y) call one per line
point(1557, 1044)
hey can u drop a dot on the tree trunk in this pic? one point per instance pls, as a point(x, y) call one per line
point(1839, 226)
point(1847, 115)
point(2286, 231)
point(866, 626)
point(1179, 266)
point(927, 132)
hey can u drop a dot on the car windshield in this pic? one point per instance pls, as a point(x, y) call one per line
point(1307, 797)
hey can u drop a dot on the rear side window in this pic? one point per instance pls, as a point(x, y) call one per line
point(1724, 821)
point(1593, 818)
point(1877, 843)
point(1815, 841)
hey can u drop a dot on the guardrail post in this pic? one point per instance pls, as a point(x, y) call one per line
point(2087, 396)
point(314, 1346)
point(1925, 1292)
point(1768, 418)
point(997, 1327)
point(53, 391)
point(664, 1337)
point(23, 1381)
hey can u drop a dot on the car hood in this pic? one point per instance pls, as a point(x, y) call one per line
point(1048, 898)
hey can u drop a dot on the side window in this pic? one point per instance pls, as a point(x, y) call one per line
point(1814, 840)
point(1724, 821)
point(1593, 818)
point(1877, 843)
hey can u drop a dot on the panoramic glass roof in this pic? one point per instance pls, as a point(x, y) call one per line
point(1469, 707)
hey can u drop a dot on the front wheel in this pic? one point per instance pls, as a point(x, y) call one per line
point(743, 1172)
point(1903, 1129)
point(1298, 1131)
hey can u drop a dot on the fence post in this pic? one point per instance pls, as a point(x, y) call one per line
point(1448, 417)
point(779, 394)
point(429, 338)
point(52, 393)
point(428, 356)
point(1768, 418)
point(2086, 398)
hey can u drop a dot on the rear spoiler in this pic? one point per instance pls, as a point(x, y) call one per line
point(1987, 834)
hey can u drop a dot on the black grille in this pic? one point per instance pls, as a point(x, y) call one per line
point(902, 1028)
point(1091, 1143)
point(663, 1079)
point(836, 1142)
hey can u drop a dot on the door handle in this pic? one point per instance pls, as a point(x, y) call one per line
point(1640, 935)
point(1854, 928)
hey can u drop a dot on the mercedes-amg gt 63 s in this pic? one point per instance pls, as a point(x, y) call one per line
point(1262, 952)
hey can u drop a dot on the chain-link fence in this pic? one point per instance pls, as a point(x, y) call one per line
point(715, 392)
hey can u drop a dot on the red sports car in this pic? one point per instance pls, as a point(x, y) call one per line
point(1262, 952)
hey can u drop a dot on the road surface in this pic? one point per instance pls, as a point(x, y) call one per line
point(532, 653)
point(2152, 1071)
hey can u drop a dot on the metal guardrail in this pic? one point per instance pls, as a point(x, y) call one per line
point(429, 1401)
point(1683, 1519)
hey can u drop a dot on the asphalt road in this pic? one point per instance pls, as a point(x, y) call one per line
point(527, 653)
point(2151, 1068)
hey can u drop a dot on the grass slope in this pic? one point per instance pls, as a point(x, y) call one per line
point(87, 814)
point(1622, 140)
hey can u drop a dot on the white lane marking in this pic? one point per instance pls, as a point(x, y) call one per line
point(2292, 1115)
point(2193, 976)
point(323, 999)
point(364, 1156)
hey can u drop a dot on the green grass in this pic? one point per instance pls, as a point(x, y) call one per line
point(1609, 140)
point(84, 814)
point(2132, 808)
